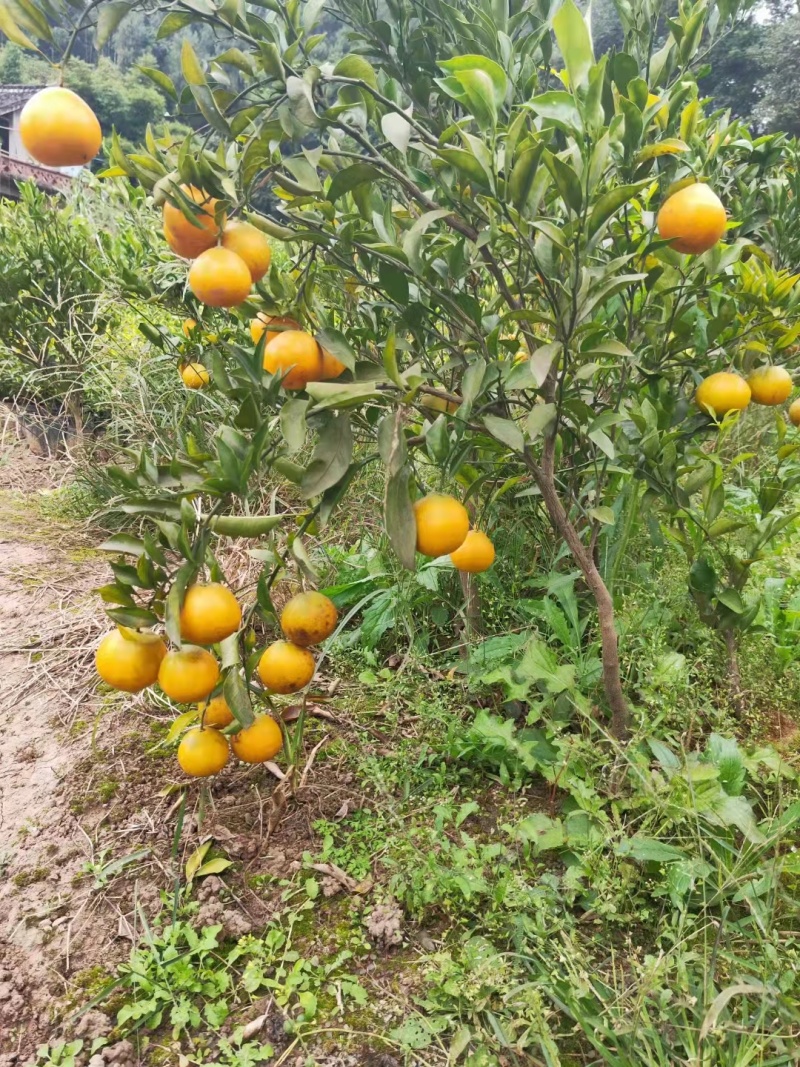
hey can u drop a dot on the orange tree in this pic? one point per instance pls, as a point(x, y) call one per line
point(468, 182)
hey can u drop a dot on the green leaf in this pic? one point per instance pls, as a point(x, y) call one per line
point(398, 512)
point(196, 858)
point(172, 619)
point(394, 282)
point(725, 754)
point(109, 18)
point(540, 831)
point(244, 525)
point(574, 42)
point(567, 181)
point(162, 80)
point(494, 73)
point(649, 850)
point(523, 173)
point(177, 726)
point(123, 543)
point(350, 178)
point(506, 431)
point(235, 692)
point(702, 577)
point(9, 27)
point(331, 458)
point(732, 600)
point(670, 146)
point(337, 344)
point(190, 65)
point(355, 66)
point(610, 202)
point(558, 107)
point(132, 617)
point(293, 424)
point(467, 164)
point(540, 417)
point(174, 22)
point(542, 360)
point(603, 514)
point(215, 866)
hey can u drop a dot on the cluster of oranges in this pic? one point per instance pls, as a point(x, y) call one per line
point(442, 525)
point(130, 660)
point(727, 391)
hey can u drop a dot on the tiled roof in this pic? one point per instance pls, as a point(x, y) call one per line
point(13, 97)
point(15, 170)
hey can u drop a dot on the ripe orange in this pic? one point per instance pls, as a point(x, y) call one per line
point(129, 660)
point(188, 674)
point(250, 244)
point(296, 357)
point(189, 326)
point(770, 385)
point(203, 752)
point(59, 129)
point(331, 366)
point(794, 412)
point(442, 524)
point(210, 613)
point(476, 554)
point(185, 238)
point(722, 392)
point(285, 668)
point(216, 713)
point(437, 404)
point(693, 219)
point(309, 618)
point(259, 742)
point(194, 375)
point(261, 323)
point(220, 278)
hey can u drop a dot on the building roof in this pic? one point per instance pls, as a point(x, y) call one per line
point(13, 97)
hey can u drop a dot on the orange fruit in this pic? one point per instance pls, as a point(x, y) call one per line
point(188, 674)
point(129, 660)
point(331, 366)
point(296, 357)
point(194, 375)
point(693, 219)
point(442, 524)
point(309, 618)
point(722, 392)
point(437, 404)
point(261, 323)
point(476, 554)
point(259, 742)
point(220, 278)
point(285, 668)
point(770, 385)
point(216, 713)
point(189, 326)
point(203, 752)
point(250, 244)
point(184, 237)
point(210, 613)
point(794, 412)
point(59, 129)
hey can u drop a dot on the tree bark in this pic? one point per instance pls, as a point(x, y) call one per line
point(612, 681)
point(734, 675)
point(472, 607)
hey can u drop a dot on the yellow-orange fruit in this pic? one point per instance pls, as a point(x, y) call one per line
point(59, 129)
point(296, 357)
point(203, 752)
point(194, 375)
point(770, 385)
point(722, 392)
point(189, 326)
point(210, 613)
point(216, 713)
point(262, 322)
point(259, 742)
point(250, 245)
point(309, 618)
point(220, 278)
point(442, 524)
point(693, 219)
point(128, 660)
point(285, 667)
point(331, 366)
point(188, 674)
point(794, 412)
point(184, 237)
point(438, 404)
point(476, 554)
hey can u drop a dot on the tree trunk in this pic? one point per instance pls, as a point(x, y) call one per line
point(612, 681)
point(734, 675)
point(472, 607)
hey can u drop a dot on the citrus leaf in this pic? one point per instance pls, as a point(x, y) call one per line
point(162, 80)
point(196, 859)
point(398, 515)
point(331, 458)
point(181, 723)
point(572, 35)
point(235, 692)
point(172, 618)
point(215, 866)
point(109, 18)
point(350, 178)
point(506, 431)
point(123, 543)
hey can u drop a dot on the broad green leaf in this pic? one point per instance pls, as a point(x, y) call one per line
point(348, 179)
point(293, 424)
point(244, 525)
point(185, 719)
point(540, 417)
point(335, 395)
point(670, 146)
point(725, 754)
point(540, 831)
point(574, 42)
point(124, 544)
point(493, 71)
point(467, 164)
point(162, 80)
point(331, 458)
point(133, 617)
point(732, 600)
point(610, 202)
point(190, 65)
point(215, 866)
point(196, 858)
point(235, 692)
point(335, 342)
point(506, 431)
point(9, 27)
point(558, 107)
point(181, 582)
point(109, 17)
point(399, 517)
point(604, 515)
point(542, 360)
point(649, 850)
point(355, 66)
point(521, 179)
